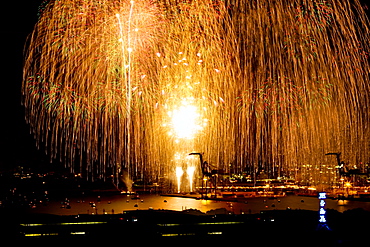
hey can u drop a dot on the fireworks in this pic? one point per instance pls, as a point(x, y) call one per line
point(267, 84)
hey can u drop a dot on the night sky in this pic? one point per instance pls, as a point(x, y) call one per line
point(17, 145)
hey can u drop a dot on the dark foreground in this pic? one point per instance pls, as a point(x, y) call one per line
point(148, 227)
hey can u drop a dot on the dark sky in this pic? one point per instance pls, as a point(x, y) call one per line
point(17, 145)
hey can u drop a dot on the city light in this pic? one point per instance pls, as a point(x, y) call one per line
point(322, 212)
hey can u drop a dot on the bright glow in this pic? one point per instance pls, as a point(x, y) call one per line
point(190, 171)
point(67, 223)
point(322, 219)
point(322, 211)
point(322, 195)
point(221, 223)
point(179, 173)
point(185, 121)
point(31, 224)
point(33, 235)
point(40, 234)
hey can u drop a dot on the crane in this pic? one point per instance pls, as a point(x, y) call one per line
point(207, 172)
point(348, 174)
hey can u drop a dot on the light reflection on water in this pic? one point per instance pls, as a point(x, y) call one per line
point(120, 203)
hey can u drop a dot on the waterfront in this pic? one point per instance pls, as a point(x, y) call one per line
point(89, 215)
point(170, 220)
point(108, 204)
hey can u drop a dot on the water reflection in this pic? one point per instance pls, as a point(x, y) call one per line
point(120, 203)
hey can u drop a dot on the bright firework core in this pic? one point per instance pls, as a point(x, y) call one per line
point(186, 121)
point(265, 86)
